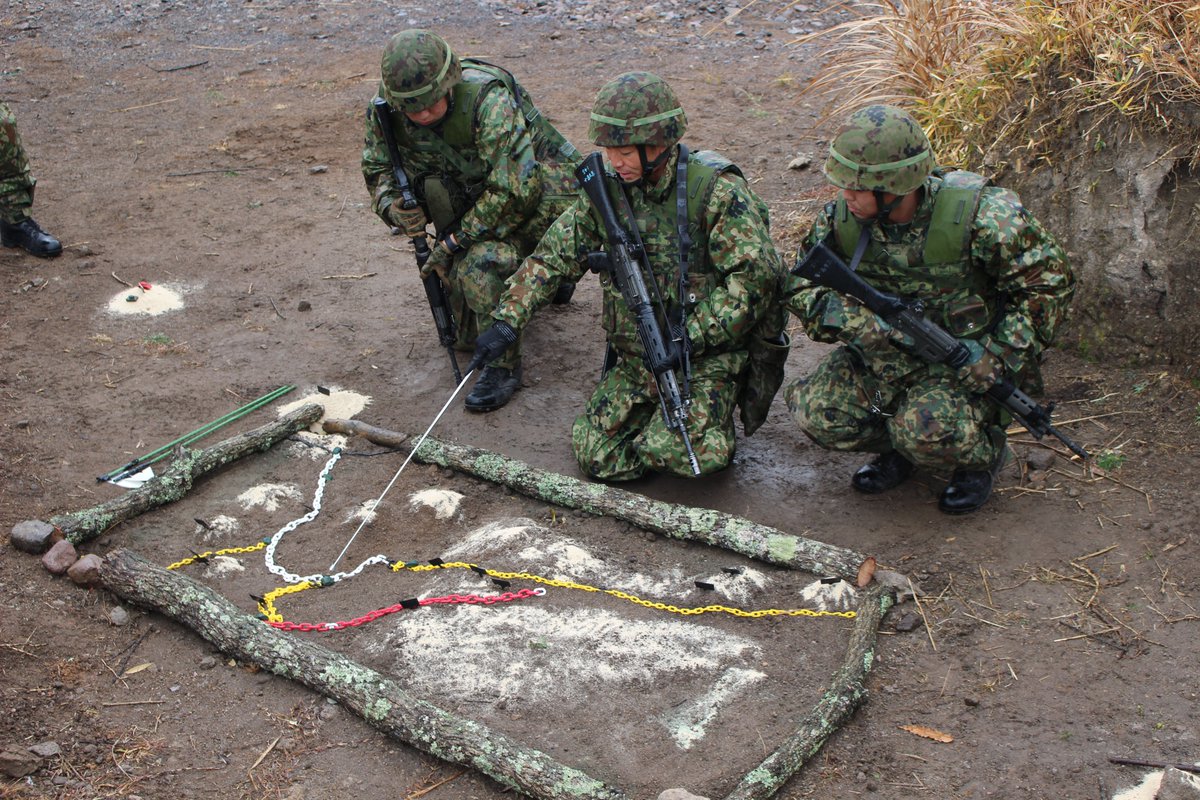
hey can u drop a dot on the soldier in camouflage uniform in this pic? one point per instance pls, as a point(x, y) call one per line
point(987, 272)
point(473, 164)
point(734, 285)
point(17, 228)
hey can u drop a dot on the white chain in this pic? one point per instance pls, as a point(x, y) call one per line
point(291, 577)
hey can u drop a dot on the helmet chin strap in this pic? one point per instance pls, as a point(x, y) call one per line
point(648, 167)
point(885, 209)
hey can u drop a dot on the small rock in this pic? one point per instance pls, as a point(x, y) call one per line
point(34, 536)
point(317, 169)
point(17, 763)
point(679, 794)
point(908, 623)
point(1178, 785)
point(118, 617)
point(86, 571)
point(971, 701)
point(45, 749)
point(59, 558)
point(1039, 459)
point(801, 161)
point(208, 662)
point(304, 306)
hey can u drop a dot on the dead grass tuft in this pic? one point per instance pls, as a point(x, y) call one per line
point(987, 77)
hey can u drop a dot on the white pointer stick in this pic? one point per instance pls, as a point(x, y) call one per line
point(416, 447)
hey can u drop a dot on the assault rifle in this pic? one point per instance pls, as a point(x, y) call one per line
point(435, 291)
point(626, 257)
point(931, 343)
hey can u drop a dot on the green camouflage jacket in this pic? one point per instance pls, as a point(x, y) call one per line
point(1010, 289)
point(510, 190)
point(730, 285)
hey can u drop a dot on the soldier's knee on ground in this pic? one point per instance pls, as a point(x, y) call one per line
point(827, 423)
point(602, 456)
point(935, 440)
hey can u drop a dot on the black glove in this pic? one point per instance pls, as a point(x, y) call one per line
point(492, 343)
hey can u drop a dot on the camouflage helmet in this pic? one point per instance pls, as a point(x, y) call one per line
point(419, 68)
point(879, 149)
point(636, 108)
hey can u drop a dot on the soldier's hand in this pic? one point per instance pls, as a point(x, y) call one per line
point(410, 221)
point(492, 343)
point(857, 325)
point(439, 261)
point(982, 371)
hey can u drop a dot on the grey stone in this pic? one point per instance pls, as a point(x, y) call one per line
point(1178, 785)
point(118, 616)
point(679, 794)
point(45, 749)
point(34, 536)
point(59, 558)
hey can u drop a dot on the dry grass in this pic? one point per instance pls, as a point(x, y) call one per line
point(992, 77)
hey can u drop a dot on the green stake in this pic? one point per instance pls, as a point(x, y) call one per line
point(164, 451)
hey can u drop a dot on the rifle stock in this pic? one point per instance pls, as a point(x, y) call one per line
point(931, 342)
point(435, 290)
point(624, 264)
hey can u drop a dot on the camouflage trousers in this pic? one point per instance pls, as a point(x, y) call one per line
point(621, 433)
point(16, 183)
point(923, 415)
point(477, 282)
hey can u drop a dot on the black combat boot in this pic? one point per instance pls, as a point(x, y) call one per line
point(887, 471)
point(969, 489)
point(563, 294)
point(29, 236)
point(494, 388)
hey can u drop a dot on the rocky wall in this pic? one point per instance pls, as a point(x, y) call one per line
point(1127, 208)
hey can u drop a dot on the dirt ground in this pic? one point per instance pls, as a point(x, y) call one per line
point(211, 149)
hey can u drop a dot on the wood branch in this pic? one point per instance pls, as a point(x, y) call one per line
point(380, 701)
point(846, 693)
point(177, 479)
point(676, 521)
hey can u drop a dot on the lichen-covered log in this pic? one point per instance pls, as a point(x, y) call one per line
point(176, 480)
point(846, 693)
point(379, 700)
point(677, 521)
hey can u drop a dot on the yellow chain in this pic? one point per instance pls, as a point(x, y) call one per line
point(270, 614)
point(525, 576)
point(210, 553)
point(267, 606)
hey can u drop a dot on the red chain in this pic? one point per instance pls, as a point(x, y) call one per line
point(450, 599)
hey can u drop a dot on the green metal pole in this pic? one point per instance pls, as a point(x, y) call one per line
point(162, 452)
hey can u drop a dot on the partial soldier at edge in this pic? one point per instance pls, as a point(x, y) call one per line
point(17, 226)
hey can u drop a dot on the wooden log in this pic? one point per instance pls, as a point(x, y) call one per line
point(379, 700)
point(846, 693)
point(177, 479)
point(677, 521)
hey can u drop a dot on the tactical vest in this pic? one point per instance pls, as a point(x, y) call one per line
point(658, 228)
point(937, 269)
point(458, 181)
